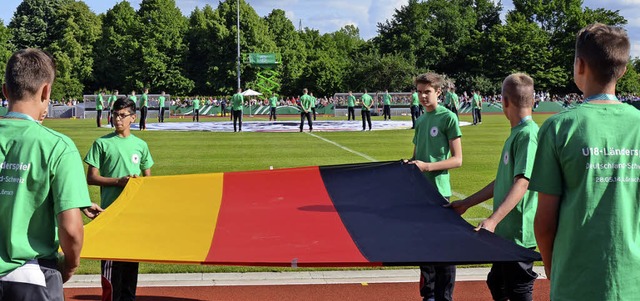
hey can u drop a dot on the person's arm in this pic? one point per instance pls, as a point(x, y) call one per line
point(146, 172)
point(545, 226)
point(455, 161)
point(514, 196)
point(482, 195)
point(71, 235)
point(94, 178)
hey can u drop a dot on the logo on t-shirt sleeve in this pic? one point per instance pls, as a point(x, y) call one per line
point(135, 158)
point(434, 131)
point(505, 158)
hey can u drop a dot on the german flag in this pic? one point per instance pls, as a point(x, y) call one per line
point(372, 214)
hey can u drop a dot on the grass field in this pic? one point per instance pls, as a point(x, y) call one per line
point(207, 152)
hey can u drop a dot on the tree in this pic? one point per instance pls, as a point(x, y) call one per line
point(74, 33)
point(291, 49)
point(6, 49)
point(161, 49)
point(254, 37)
point(203, 40)
point(114, 51)
point(32, 21)
point(630, 82)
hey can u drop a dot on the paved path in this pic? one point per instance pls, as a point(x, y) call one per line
point(315, 285)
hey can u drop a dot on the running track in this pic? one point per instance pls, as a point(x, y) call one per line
point(464, 291)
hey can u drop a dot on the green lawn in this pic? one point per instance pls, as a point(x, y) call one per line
point(207, 152)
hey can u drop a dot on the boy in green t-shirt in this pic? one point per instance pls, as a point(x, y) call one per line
point(144, 108)
point(196, 109)
point(42, 187)
point(161, 103)
point(476, 107)
point(386, 103)
point(114, 159)
point(351, 103)
point(236, 109)
point(514, 207)
point(438, 148)
point(586, 173)
point(273, 103)
point(313, 105)
point(365, 111)
point(99, 106)
point(110, 102)
point(305, 109)
point(415, 108)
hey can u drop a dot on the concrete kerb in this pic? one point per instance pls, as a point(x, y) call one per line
point(285, 278)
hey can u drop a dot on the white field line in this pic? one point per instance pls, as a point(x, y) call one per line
point(456, 194)
point(344, 147)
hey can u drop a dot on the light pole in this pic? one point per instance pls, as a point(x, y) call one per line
point(238, 27)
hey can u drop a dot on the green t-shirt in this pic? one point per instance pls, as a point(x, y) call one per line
point(590, 157)
point(144, 100)
point(41, 175)
point(366, 101)
point(516, 159)
point(476, 103)
point(305, 102)
point(433, 131)
point(351, 101)
point(386, 99)
point(116, 157)
point(236, 102)
point(112, 99)
point(415, 100)
point(134, 99)
point(447, 98)
point(273, 101)
point(99, 102)
point(161, 101)
point(313, 102)
point(196, 104)
point(455, 101)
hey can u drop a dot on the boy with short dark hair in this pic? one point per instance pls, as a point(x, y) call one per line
point(110, 102)
point(438, 148)
point(161, 103)
point(586, 173)
point(514, 207)
point(113, 159)
point(42, 187)
point(99, 107)
point(236, 109)
point(365, 111)
point(305, 109)
point(144, 109)
point(351, 103)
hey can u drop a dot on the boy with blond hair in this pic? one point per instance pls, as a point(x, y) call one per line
point(586, 172)
point(438, 148)
point(514, 207)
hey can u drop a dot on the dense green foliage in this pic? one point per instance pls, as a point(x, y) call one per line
point(156, 46)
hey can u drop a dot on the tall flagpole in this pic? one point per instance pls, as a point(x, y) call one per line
point(238, 19)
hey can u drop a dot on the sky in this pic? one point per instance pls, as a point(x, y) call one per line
point(331, 15)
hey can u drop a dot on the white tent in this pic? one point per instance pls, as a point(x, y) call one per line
point(250, 92)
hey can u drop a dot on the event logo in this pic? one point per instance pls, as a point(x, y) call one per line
point(434, 131)
point(135, 159)
point(506, 158)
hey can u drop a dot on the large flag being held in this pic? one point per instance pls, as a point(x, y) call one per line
point(368, 214)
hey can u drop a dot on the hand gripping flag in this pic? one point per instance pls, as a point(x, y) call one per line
point(370, 214)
